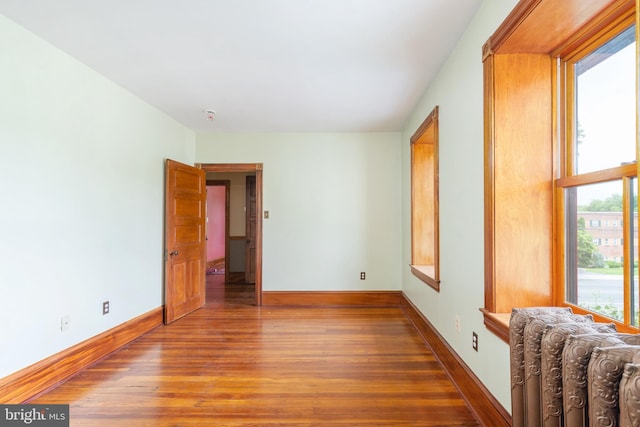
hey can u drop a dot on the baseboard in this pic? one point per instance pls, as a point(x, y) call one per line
point(481, 402)
point(332, 298)
point(45, 374)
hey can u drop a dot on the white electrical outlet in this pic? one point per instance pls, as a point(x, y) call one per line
point(65, 323)
point(458, 323)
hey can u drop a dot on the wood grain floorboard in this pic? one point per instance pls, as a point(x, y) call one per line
point(234, 364)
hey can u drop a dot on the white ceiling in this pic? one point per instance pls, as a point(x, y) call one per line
point(263, 65)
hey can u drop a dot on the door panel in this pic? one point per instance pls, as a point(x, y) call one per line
point(185, 252)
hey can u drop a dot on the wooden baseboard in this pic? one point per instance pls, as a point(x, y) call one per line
point(33, 380)
point(481, 402)
point(330, 298)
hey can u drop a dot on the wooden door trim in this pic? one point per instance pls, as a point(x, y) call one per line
point(247, 167)
point(230, 167)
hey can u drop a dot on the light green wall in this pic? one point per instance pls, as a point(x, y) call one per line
point(458, 90)
point(334, 206)
point(82, 172)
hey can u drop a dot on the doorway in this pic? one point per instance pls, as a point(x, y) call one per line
point(254, 169)
point(218, 199)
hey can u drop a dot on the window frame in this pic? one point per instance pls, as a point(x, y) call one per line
point(626, 173)
point(425, 221)
point(519, 62)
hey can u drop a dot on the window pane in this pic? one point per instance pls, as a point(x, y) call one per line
point(605, 105)
point(595, 251)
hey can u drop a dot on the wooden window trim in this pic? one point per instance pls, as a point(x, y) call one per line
point(618, 172)
point(533, 30)
point(425, 248)
point(425, 274)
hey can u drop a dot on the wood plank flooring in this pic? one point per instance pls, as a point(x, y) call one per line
point(234, 364)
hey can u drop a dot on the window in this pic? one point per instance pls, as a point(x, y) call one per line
point(550, 181)
point(600, 173)
point(424, 202)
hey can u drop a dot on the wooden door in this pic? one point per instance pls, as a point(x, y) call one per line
point(185, 251)
point(250, 256)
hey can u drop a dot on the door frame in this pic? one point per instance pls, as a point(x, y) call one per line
point(247, 167)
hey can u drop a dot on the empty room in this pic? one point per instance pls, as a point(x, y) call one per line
point(312, 213)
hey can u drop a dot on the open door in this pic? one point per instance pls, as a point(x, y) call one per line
point(185, 235)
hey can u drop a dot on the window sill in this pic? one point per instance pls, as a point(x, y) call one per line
point(426, 273)
point(498, 323)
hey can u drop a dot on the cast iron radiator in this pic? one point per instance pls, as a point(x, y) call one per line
point(567, 370)
point(630, 394)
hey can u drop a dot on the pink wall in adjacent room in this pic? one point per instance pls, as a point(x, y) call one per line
point(215, 226)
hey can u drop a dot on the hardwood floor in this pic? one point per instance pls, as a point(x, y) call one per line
point(234, 364)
